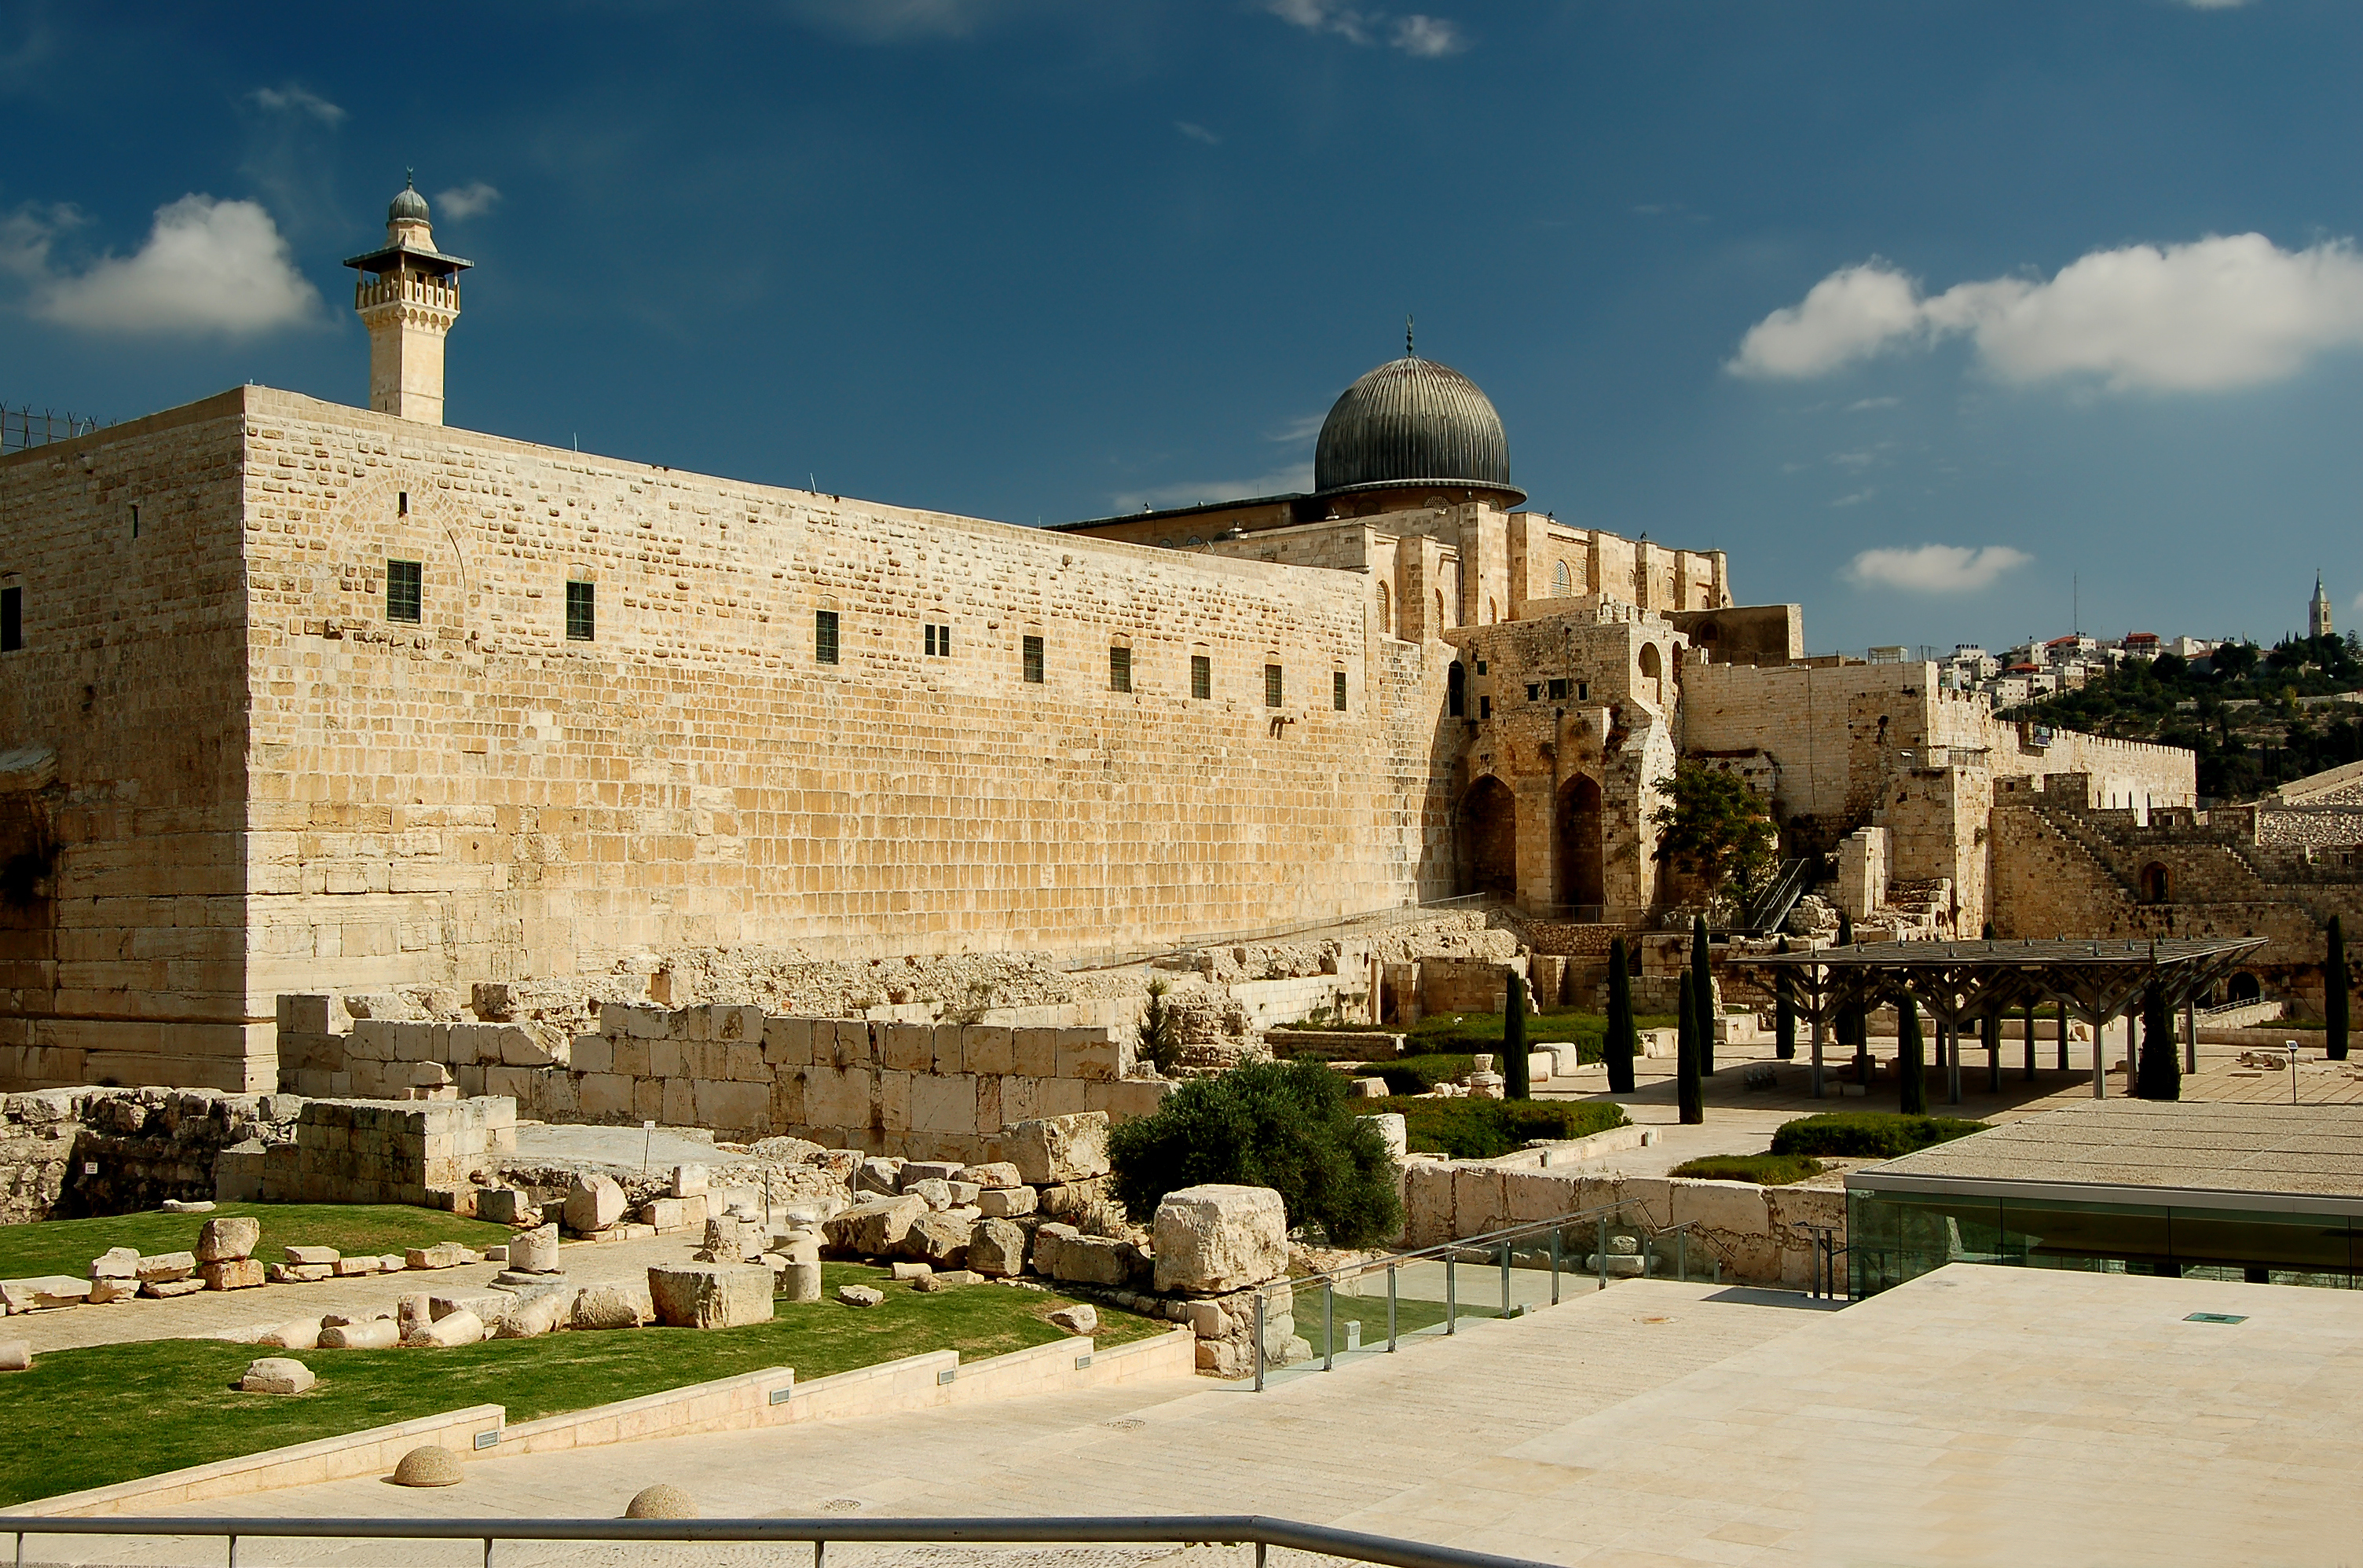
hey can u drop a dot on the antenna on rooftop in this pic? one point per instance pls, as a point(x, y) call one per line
point(1409, 352)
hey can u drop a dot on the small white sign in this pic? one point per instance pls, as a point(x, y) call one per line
point(90, 1167)
point(648, 1126)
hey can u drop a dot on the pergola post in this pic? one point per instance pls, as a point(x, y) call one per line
point(2029, 1033)
point(2189, 1035)
point(1819, 1030)
point(2099, 1059)
point(1953, 1063)
point(2133, 1054)
point(2063, 1037)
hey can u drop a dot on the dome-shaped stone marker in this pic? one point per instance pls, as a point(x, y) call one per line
point(660, 1502)
point(433, 1466)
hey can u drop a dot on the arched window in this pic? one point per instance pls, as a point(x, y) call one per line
point(1440, 622)
point(1455, 690)
point(2157, 883)
point(1386, 612)
point(1493, 610)
point(1560, 582)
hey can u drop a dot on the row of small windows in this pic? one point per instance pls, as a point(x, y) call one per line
point(405, 600)
point(937, 640)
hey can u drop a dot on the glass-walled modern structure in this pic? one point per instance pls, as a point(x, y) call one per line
point(2270, 1194)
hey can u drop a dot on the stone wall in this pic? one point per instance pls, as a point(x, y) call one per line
point(431, 1156)
point(923, 1090)
point(68, 1153)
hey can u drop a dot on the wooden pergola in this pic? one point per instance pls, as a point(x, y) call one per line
point(2098, 981)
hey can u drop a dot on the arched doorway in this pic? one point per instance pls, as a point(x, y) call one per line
point(2242, 988)
point(1489, 840)
point(2156, 883)
point(1583, 869)
point(1653, 674)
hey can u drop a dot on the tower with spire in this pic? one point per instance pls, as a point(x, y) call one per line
point(408, 297)
point(2317, 610)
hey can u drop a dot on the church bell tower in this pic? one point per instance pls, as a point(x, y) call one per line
point(407, 295)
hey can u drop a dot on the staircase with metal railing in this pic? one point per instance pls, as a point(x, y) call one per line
point(1764, 913)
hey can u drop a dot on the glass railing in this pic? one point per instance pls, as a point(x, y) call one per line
point(1316, 1322)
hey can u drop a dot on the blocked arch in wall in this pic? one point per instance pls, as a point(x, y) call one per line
point(2157, 883)
point(1485, 834)
point(1580, 825)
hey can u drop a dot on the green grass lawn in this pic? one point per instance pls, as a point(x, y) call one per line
point(89, 1418)
point(67, 1246)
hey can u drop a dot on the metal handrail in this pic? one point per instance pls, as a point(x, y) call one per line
point(1256, 1530)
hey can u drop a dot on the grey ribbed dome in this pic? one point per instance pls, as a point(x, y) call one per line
point(1409, 420)
point(408, 206)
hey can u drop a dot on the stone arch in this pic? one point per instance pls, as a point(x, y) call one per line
point(2244, 987)
point(1386, 612)
point(1488, 838)
point(1493, 610)
point(1582, 829)
point(1561, 583)
point(2157, 883)
point(1653, 674)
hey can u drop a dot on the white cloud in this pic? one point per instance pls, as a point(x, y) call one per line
point(465, 201)
point(2214, 4)
point(1421, 37)
point(1934, 568)
point(1303, 427)
point(1197, 133)
point(2226, 311)
point(1294, 480)
point(207, 266)
point(1865, 404)
point(294, 100)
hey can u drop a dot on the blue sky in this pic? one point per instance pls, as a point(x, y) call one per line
point(2064, 290)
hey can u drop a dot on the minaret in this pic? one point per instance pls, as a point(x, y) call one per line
point(2317, 612)
point(407, 295)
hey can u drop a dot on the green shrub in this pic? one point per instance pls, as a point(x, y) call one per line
point(1479, 1130)
point(1364, 1048)
point(1765, 1170)
point(1418, 1075)
point(1868, 1135)
point(1451, 1032)
point(1284, 1124)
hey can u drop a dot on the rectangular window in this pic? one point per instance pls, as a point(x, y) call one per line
point(1484, 707)
point(1583, 691)
point(135, 522)
point(1559, 691)
point(1119, 668)
point(1337, 690)
point(12, 619)
point(1272, 688)
point(582, 611)
point(402, 503)
point(1032, 661)
point(825, 636)
point(938, 640)
point(1534, 691)
point(1202, 676)
point(931, 639)
point(401, 590)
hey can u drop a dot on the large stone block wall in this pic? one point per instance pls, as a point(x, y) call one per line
point(123, 761)
point(71, 1153)
point(428, 1154)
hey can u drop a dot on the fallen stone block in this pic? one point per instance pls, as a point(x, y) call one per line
point(911, 1271)
point(860, 1294)
point(1006, 1203)
point(957, 1277)
point(998, 1175)
point(298, 1274)
point(534, 1316)
point(710, 1295)
point(935, 1190)
point(105, 1291)
point(941, 1240)
point(297, 1334)
point(1058, 1148)
point(997, 1248)
point(161, 1267)
point(688, 1181)
point(230, 1237)
point(15, 1355)
point(393, 1263)
point(308, 1256)
point(665, 1213)
point(116, 1263)
point(186, 1206)
point(592, 1204)
point(1218, 1237)
point(442, 1255)
point(1080, 1318)
point(461, 1327)
point(607, 1306)
point(876, 1228)
point(276, 1374)
point(504, 1206)
point(354, 1268)
point(232, 1273)
point(917, 1171)
point(164, 1289)
point(880, 1174)
point(1062, 1252)
point(378, 1334)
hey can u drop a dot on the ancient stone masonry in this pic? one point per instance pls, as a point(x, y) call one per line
point(65, 1153)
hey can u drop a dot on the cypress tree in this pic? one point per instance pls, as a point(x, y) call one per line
point(1702, 994)
point(1784, 1012)
point(1910, 1069)
point(2333, 992)
point(1622, 1045)
point(1687, 1090)
point(2157, 1075)
point(1515, 1085)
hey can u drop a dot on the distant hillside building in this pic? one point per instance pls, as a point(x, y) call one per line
point(2317, 610)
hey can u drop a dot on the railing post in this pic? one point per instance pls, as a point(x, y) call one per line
point(1451, 1301)
point(488, 1552)
point(1555, 1265)
point(1600, 1254)
point(1683, 1255)
point(1391, 1309)
point(233, 1551)
point(1505, 1279)
point(1258, 1342)
point(820, 1553)
point(1328, 1327)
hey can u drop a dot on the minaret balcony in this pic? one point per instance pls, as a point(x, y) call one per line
point(441, 293)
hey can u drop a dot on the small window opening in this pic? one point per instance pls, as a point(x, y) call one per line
point(940, 641)
point(1534, 691)
point(402, 503)
point(12, 619)
point(1484, 707)
point(134, 521)
point(582, 611)
point(1481, 666)
point(1456, 689)
point(1202, 676)
point(1583, 691)
point(1337, 690)
point(1119, 668)
point(1274, 688)
point(1559, 690)
point(404, 595)
point(1032, 661)
point(825, 636)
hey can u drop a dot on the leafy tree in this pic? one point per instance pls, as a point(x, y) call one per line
point(1515, 1085)
point(1702, 994)
point(1283, 1124)
point(1687, 1089)
point(1160, 1031)
point(1622, 1043)
point(1911, 1063)
point(1713, 826)
point(2156, 1075)
point(2334, 990)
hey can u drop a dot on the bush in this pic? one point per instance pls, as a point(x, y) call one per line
point(1764, 1169)
point(1366, 1048)
point(1448, 1032)
point(1283, 1124)
point(1868, 1135)
point(1418, 1075)
point(1479, 1130)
